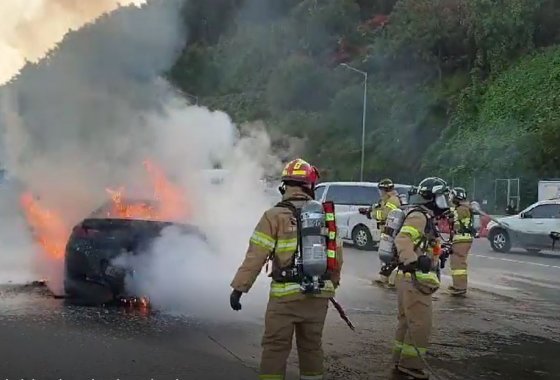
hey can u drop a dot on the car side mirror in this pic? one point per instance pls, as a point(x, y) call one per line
point(525, 215)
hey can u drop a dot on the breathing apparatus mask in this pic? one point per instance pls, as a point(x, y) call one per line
point(441, 201)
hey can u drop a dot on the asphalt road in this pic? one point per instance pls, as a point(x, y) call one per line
point(507, 328)
point(519, 274)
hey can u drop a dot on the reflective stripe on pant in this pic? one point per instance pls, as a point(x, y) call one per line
point(307, 318)
point(414, 324)
point(458, 263)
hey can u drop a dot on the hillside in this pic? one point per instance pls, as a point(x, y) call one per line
point(466, 89)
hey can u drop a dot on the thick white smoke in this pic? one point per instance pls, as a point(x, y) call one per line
point(29, 29)
point(85, 118)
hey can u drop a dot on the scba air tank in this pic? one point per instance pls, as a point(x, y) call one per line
point(392, 227)
point(313, 240)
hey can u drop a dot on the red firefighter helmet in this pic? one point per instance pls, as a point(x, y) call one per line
point(300, 171)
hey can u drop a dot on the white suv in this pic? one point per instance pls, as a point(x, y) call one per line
point(530, 229)
point(348, 197)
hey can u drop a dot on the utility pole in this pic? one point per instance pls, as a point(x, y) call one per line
point(365, 74)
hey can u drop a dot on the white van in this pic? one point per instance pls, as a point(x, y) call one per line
point(348, 197)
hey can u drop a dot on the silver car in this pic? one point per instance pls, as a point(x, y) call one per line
point(531, 229)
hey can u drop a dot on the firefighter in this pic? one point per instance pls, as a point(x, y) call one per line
point(276, 239)
point(417, 280)
point(389, 201)
point(463, 233)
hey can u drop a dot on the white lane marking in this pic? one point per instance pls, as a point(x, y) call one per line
point(517, 261)
point(531, 282)
point(481, 285)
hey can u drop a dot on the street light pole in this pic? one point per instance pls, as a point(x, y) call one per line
point(365, 74)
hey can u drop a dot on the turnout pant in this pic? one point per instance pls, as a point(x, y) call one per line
point(414, 324)
point(306, 318)
point(458, 263)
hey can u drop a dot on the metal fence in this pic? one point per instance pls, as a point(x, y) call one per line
point(493, 193)
point(496, 194)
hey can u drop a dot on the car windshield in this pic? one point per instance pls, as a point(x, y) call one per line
point(319, 190)
point(544, 211)
point(402, 190)
point(353, 195)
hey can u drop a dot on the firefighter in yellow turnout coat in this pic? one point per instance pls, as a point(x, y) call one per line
point(389, 201)
point(463, 234)
point(289, 310)
point(418, 280)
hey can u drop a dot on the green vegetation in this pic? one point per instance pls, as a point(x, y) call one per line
point(458, 88)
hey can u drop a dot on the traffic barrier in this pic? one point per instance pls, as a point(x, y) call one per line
point(443, 226)
point(484, 220)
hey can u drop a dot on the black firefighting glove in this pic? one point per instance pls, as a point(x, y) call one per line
point(234, 299)
point(387, 269)
point(423, 264)
point(364, 210)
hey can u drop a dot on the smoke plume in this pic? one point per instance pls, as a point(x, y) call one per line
point(86, 117)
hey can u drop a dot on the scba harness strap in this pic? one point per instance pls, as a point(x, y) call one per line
point(294, 271)
point(420, 241)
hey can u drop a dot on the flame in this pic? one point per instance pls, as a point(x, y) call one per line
point(52, 232)
point(49, 229)
point(124, 210)
point(170, 201)
point(135, 302)
point(171, 197)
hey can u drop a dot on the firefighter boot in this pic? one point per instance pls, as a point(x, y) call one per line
point(456, 292)
point(391, 280)
point(382, 280)
point(415, 373)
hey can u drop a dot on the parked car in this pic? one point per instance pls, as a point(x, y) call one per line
point(530, 229)
point(348, 197)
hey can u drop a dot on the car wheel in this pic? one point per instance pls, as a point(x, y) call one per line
point(500, 241)
point(362, 238)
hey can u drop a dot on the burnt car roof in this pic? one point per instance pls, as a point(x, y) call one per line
point(95, 223)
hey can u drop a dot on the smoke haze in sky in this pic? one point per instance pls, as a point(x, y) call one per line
point(85, 118)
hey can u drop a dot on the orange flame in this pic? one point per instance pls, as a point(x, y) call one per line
point(49, 229)
point(122, 209)
point(52, 232)
point(170, 202)
point(173, 205)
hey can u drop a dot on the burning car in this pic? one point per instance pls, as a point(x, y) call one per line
point(90, 277)
point(122, 225)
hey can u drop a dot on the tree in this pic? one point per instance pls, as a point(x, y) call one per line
point(298, 84)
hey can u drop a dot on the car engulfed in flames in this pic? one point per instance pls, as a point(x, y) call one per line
point(121, 226)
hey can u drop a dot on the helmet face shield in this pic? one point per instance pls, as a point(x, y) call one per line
point(441, 201)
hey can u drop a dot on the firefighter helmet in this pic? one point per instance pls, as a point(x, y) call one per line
point(459, 194)
point(386, 184)
point(434, 191)
point(301, 172)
